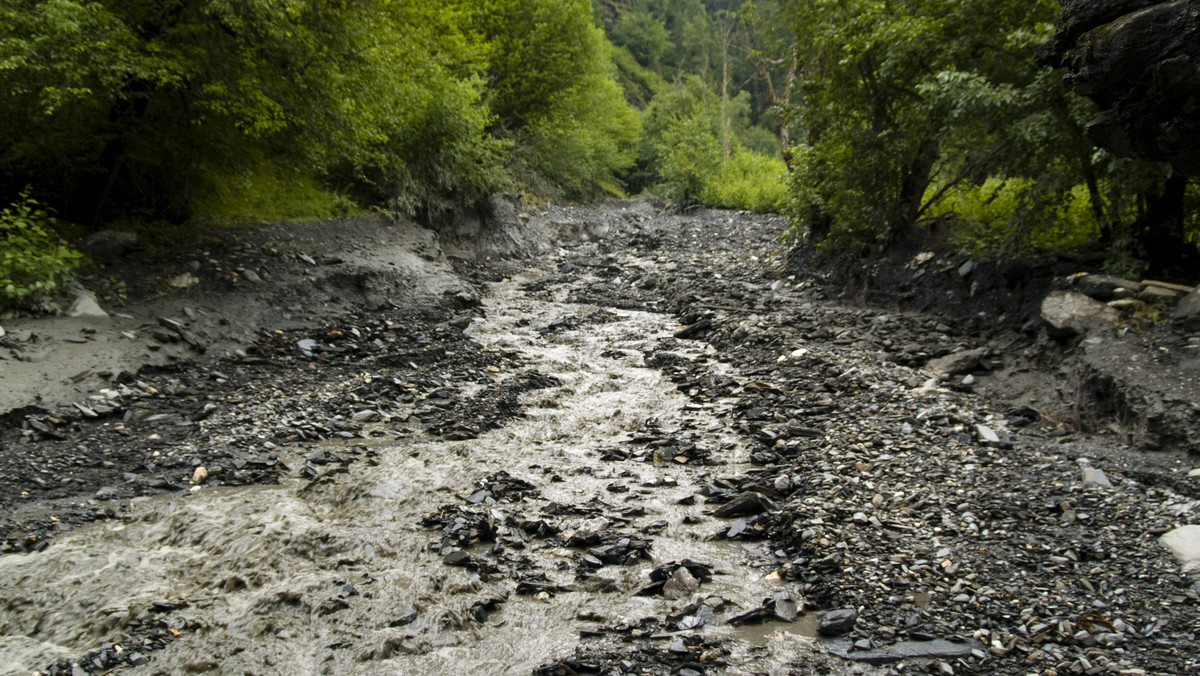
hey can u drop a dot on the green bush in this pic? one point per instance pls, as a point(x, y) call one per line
point(266, 193)
point(983, 218)
point(748, 180)
point(35, 265)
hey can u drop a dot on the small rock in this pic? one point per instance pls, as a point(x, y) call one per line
point(1092, 476)
point(457, 557)
point(85, 305)
point(745, 504)
point(957, 363)
point(1103, 287)
point(987, 435)
point(199, 475)
point(405, 619)
point(680, 585)
point(106, 493)
point(251, 276)
point(785, 608)
point(185, 280)
point(837, 622)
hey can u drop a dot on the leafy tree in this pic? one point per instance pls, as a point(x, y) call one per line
point(145, 100)
point(553, 93)
point(682, 153)
point(904, 103)
point(644, 35)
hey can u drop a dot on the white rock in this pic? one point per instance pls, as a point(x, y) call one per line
point(1070, 313)
point(85, 305)
point(987, 434)
point(1184, 543)
point(185, 280)
point(1095, 477)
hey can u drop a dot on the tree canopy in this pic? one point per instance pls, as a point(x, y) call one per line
point(909, 110)
point(119, 105)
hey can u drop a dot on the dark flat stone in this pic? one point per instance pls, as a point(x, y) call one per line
point(904, 650)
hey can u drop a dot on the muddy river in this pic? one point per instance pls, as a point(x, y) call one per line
point(340, 575)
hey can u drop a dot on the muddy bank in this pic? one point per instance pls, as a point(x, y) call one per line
point(607, 440)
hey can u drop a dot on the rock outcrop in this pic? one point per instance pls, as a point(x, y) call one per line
point(1139, 60)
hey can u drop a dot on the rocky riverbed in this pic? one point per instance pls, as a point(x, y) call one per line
point(599, 439)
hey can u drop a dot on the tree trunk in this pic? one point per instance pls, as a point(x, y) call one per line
point(913, 185)
point(1161, 233)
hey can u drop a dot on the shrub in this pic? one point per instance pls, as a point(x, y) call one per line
point(35, 265)
point(748, 180)
point(983, 218)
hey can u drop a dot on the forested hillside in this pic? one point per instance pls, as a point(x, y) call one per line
point(891, 116)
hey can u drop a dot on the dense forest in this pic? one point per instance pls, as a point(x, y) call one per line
point(863, 121)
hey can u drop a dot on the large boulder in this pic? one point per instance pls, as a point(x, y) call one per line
point(1139, 60)
point(1187, 312)
point(1069, 313)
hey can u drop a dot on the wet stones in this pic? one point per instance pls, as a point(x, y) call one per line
point(922, 650)
point(681, 584)
point(695, 573)
point(779, 607)
point(696, 330)
point(837, 622)
point(616, 549)
point(745, 504)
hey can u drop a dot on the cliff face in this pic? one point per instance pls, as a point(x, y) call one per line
point(1139, 60)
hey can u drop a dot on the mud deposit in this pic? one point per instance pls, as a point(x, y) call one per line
point(647, 447)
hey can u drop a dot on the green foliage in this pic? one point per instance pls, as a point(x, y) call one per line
point(681, 155)
point(912, 109)
point(553, 92)
point(690, 153)
point(119, 107)
point(748, 180)
point(267, 193)
point(982, 218)
point(35, 265)
point(644, 35)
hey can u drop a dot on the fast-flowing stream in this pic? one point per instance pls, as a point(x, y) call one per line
point(340, 576)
